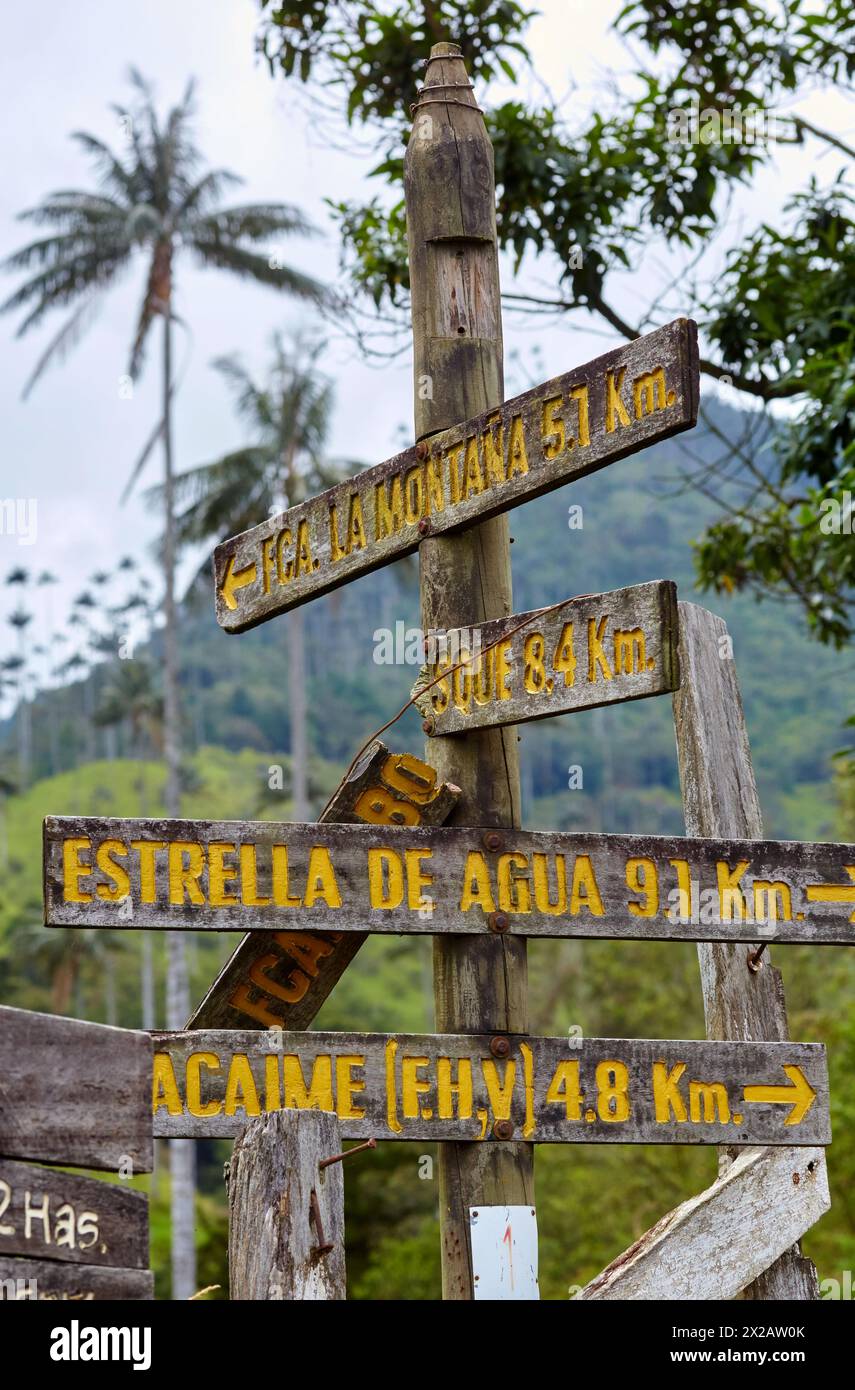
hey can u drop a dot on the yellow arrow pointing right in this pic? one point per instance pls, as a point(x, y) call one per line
point(236, 579)
point(800, 1095)
point(833, 892)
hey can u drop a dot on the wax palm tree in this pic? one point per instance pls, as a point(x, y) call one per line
point(155, 201)
point(284, 462)
point(130, 698)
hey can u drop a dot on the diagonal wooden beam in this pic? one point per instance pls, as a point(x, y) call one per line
point(280, 980)
point(716, 1244)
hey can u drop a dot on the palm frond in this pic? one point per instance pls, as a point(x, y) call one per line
point(252, 403)
point(65, 340)
point(255, 222)
point(59, 284)
point(113, 173)
point(250, 266)
point(231, 494)
point(201, 194)
point(73, 207)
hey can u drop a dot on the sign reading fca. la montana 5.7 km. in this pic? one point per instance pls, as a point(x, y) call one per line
point(236, 875)
point(469, 1087)
point(564, 429)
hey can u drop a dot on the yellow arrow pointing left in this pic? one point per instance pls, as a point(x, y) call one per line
point(800, 1095)
point(236, 579)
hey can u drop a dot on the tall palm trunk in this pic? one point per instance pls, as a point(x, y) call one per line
point(181, 1151)
point(295, 638)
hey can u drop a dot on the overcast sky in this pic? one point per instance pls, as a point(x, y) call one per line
point(71, 446)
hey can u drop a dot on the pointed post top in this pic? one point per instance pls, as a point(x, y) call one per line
point(446, 70)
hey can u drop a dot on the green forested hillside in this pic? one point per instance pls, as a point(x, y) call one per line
point(593, 1200)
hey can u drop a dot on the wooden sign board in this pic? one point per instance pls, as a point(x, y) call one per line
point(72, 1093)
point(48, 1214)
point(226, 875)
point(638, 394)
point(594, 650)
point(281, 980)
point(50, 1281)
point(461, 1087)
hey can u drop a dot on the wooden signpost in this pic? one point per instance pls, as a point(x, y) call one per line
point(286, 1209)
point(463, 1088)
point(381, 860)
point(72, 1093)
point(224, 875)
point(597, 650)
point(565, 429)
point(281, 981)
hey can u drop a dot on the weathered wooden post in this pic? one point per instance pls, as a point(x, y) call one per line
point(286, 1210)
point(465, 579)
point(743, 994)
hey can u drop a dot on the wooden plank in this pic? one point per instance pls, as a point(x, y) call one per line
point(720, 798)
point(286, 1213)
point(595, 650)
point(711, 1246)
point(73, 1093)
point(460, 1087)
point(48, 1281)
point(636, 395)
point(219, 875)
point(464, 577)
point(271, 984)
point(47, 1214)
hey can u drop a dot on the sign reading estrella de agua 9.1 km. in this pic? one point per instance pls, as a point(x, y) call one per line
point(565, 429)
point(236, 875)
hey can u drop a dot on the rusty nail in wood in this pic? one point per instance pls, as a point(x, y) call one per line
point(500, 1047)
point(754, 961)
point(503, 1129)
point(422, 449)
point(498, 921)
point(357, 1148)
point(428, 726)
point(796, 1179)
point(323, 1246)
point(424, 527)
point(492, 840)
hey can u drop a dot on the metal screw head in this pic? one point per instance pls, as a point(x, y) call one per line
point(424, 527)
point(498, 921)
point(500, 1047)
point(492, 840)
point(428, 726)
point(503, 1129)
point(421, 449)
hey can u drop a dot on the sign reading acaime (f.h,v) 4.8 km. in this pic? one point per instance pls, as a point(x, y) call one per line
point(564, 429)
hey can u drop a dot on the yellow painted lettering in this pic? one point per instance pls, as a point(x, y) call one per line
point(120, 883)
point(585, 891)
point(186, 862)
point(195, 1104)
point(385, 879)
point(667, 1098)
point(477, 891)
point(73, 870)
